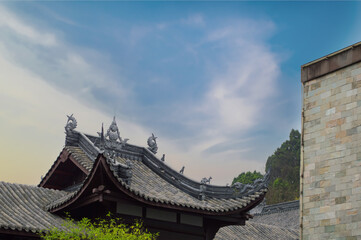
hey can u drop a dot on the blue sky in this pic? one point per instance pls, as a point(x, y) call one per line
point(217, 82)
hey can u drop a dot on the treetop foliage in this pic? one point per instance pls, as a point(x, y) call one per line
point(247, 178)
point(284, 165)
point(101, 229)
point(285, 170)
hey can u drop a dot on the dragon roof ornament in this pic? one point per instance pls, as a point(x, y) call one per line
point(112, 146)
point(240, 188)
point(152, 143)
point(71, 124)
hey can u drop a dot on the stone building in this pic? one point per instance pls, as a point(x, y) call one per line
point(330, 201)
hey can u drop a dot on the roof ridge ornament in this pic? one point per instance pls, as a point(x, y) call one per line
point(152, 143)
point(113, 132)
point(71, 124)
point(206, 180)
point(203, 187)
point(113, 136)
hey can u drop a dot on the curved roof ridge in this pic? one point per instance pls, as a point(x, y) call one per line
point(208, 206)
point(134, 152)
point(279, 207)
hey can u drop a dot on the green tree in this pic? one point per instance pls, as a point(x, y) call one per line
point(247, 178)
point(285, 170)
point(100, 229)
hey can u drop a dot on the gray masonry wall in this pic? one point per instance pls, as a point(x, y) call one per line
point(331, 153)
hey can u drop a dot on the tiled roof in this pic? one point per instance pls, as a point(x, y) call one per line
point(286, 219)
point(80, 156)
point(148, 185)
point(152, 187)
point(22, 207)
point(275, 222)
point(256, 231)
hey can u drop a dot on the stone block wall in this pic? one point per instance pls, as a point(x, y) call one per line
point(330, 200)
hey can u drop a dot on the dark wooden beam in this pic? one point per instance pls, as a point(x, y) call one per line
point(15, 233)
point(166, 226)
point(86, 201)
point(211, 227)
point(64, 173)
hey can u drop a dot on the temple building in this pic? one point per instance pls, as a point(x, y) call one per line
point(94, 175)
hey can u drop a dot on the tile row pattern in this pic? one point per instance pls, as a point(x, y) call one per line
point(22, 207)
point(79, 155)
point(276, 221)
point(256, 231)
point(150, 186)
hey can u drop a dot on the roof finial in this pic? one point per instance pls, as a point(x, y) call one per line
point(113, 131)
point(113, 136)
point(182, 170)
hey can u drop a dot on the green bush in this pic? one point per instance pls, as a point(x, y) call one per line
point(100, 229)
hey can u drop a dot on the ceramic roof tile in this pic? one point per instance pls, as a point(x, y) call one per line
point(22, 207)
point(274, 222)
point(286, 219)
point(152, 187)
point(256, 231)
point(148, 183)
point(80, 156)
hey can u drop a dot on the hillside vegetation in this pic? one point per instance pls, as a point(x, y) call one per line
point(284, 164)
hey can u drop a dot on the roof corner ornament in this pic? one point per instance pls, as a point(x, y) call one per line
point(240, 188)
point(152, 143)
point(71, 124)
point(163, 158)
point(182, 170)
point(113, 136)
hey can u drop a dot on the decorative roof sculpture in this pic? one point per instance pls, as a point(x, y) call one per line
point(206, 180)
point(108, 172)
point(71, 124)
point(114, 147)
point(115, 141)
point(152, 143)
point(108, 168)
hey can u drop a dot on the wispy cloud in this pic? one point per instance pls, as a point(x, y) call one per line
point(10, 22)
point(241, 81)
point(208, 128)
point(80, 71)
point(194, 20)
